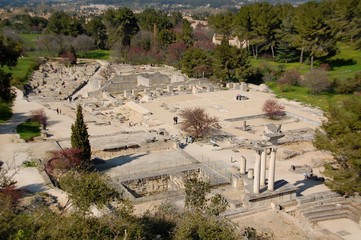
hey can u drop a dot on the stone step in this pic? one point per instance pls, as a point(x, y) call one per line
point(317, 197)
point(331, 211)
point(330, 217)
point(330, 207)
point(329, 201)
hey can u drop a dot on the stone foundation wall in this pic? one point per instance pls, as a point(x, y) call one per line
point(135, 148)
point(147, 186)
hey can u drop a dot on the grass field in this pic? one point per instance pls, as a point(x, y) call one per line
point(300, 94)
point(22, 70)
point(28, 130)
point(346, 63)
point(95, 54)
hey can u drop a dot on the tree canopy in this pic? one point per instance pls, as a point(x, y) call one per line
point(80, 136)
point(340, 134)
point(87, 188)
point(121, 25)
point(198, 123)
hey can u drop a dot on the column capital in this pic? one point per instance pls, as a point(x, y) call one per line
point(273, 149)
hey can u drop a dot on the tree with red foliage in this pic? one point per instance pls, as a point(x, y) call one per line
point(198, 123)
point(69, 57)
point(175, 53)
point(273, 109)
point(9, 195)
point(39, 116)
point(63, 160)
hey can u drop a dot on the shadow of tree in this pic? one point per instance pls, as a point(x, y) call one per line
point(9, 126)
point(339, 62)
point(35, 187)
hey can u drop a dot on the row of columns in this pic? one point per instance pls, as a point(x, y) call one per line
point(259, 171)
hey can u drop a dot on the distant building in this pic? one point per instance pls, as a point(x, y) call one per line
point(196, 23)
point(233, 41)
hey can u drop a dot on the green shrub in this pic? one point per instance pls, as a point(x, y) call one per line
point(31, 163)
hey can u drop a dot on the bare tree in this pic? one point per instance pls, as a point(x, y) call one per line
point(316, 81)
point(83, 43)
point(40, 116)
point(273, 109)
point(198, 123)
point(289, 78)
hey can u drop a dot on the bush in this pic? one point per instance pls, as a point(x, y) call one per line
point(316, 81)
point(349, 85)
point(273, 109)
point(326, 66)
point(289, 78)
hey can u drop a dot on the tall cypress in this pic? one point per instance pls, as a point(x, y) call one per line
point(80, 136)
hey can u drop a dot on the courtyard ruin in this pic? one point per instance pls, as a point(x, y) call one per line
point(129, 112)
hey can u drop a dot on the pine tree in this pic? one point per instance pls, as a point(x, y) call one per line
point(80, 136)
point(340, 135)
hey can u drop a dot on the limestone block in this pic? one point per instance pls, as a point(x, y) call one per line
point(194, 89)
point(177, 78)
point(236, 86)
point(229, 85)
point(210, 89)
point(263, 88)
point(127, 93)
point(170, 88)
point(180, 87)
point(135, 92)
point(244, 87)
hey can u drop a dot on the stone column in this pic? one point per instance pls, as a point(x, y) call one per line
point(169, 88)
point(272, 170)
point(250, 174)
point(257, 172)
point(242, 167)
point(263, 168)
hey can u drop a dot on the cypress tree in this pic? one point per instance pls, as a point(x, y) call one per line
point(80, 136)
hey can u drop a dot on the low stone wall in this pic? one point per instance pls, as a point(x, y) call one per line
point(135, 148)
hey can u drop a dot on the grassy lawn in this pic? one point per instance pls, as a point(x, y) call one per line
point(346, 63)
point(22, 70)
point(95, 54)
point(260, 62)
point(28, 130)
point(5, 112)
point(300, 94)
point(30, 40)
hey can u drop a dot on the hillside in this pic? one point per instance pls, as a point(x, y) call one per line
point(166, 4)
